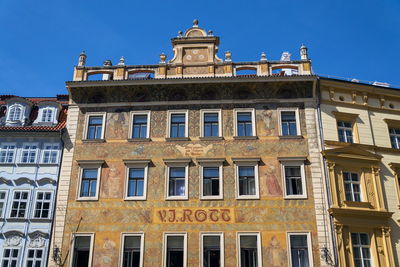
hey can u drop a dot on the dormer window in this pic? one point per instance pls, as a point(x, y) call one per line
point(48, 115)
point(15, 113)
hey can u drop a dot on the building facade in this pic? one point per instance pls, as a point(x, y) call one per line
point(30, 154)
point(361, 126)
point(190, 163)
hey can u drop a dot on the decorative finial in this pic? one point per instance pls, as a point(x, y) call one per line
point(263, 56)
point(196, 23)
point(228, 56)
point(82, 59)
point(286, 56)
point(180, 34)
point(121, 61)
point(107, 62)
point(303, 52)
point(210, 33)
point(163, 57)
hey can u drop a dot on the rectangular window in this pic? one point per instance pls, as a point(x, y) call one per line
point(89, 182)
point(10, 257)
point(361, 250)
point(47, 115)
point(95, 127)
point(177, 182)
point(211, 123)
point(395, 137)
point(212, 251)
point(249, 250)
point(35, 258)
point(7, 153)
point(175, 250)
point(29, 152)
point(81, 254)
point(42, 205)
point(244, 123)
point(247, 180)
point(289, 122)
point(352, 186)
point(19, 204)
point(178, 125)
point(140, 124)
point(300, 250)
point(136, 182)
point(50, 153)
point(345, 131)
point(133, 250)
point(294, 179)
point(3, 201)
point(211, 182)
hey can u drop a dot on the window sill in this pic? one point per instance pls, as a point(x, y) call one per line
point(211, 138)
point(173, 139)
point(291, 137)
point(16, 219)
point(135, 199)
point(27, 163)
point(40, 219)
point(211, 198)
point(139, 139)
point(356, 204)
point(93, 140)
point(247, 197)
point(7, 163)
point(296, 197)
point(87, 199)
point(176, 198)
point(245, 137)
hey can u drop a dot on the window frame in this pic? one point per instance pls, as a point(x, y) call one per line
point(73, 236)
point(297, 117)
point(177, 163)
point(253, 121)
point(14, 153)
point(37, 152)
point(185, 246)
point(360, 176)
point(204, 163)
point(43, 259)
point(89, 165)
point(12, 106)
point(136, 164)
point(294, 162)
point(222, 246)
point(50, 207)
point(27, 204)
point(86, 128)
point(309, 246)
point(204, 112)
point(53, 113)
point(45, 150)
point(239, 162)
point(127, 234)
point(139, 112)
point(169, 115)
point(259, 247)
point(3, 213)
point(396, 136)
point(347, 117)
point(18, 259)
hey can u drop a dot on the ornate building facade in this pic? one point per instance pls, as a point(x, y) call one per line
point(361, 130)
point(30, 155)
point(196, 161)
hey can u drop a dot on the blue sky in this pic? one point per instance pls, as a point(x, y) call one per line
point(41, 40)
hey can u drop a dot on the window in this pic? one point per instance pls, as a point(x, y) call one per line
point(294, 178)
point(47, 114)
point(245, 122)
point(394, 134)
point(175, 250)
point(289, 122)
point(50, 153)
point(42, 205)
point(19, 204)
point(133, 250)
point(352, 186)
point(345, 131)
point(35, 258)
point(247, 178)
point(7, 153)
point(249, 250)
point(211, 123)
point(211, 182)
point(140, 124)
point(29, 152)
point(10, 257)
point(177, 182)
point(82, 254)
point(178, 126)
point(300, 250)
point(212, 251)
point(361, 252)
point(89, 184)
point(15, 113)
point(136, 184)
point(95, 127)
point(3, 201)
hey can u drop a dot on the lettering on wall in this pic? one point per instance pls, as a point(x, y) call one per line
point(198, 215)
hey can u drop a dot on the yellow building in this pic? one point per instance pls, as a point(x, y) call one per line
point(361, 132)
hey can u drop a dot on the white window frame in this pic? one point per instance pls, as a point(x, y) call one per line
point(136, 164)
point(362, 246)
point(8, 151)
point(211, 163)
point(259, 247)
point(253, 120)
point(53, 111)
point(50, 207)
point(21, 156)
point(139, 234)
point(15, 105)
point(309, 246)
point(89, 165)
point(205, 111)
point(297, 116)
point(295, 163)
point(50, 150)
point(27, 203)
point(142, 112)
point(222, 246)
point(360, 176)
point(11, 257)
point(5, 201)
point(345, 129)
point(86, 128)
point(247, 163)
point(43, 259)
point(164, 252)
point(395, 145)
point(177, 163)
point(74, 235)
point(181, 111)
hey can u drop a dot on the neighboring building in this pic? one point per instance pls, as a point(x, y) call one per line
point(30, 154)
point(188, 163)
point(361, 129)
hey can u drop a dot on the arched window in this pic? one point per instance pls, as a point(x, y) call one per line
point(47, 115)
point(15, 113)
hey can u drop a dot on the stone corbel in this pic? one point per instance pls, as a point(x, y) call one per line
point(353, 97)
point(365, 99)
point(332, 94)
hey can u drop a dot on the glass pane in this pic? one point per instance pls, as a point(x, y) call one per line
point(178, 118)
point(132, 242)
point(82, 242)
point(248, 241)
point(177, 172)
point(246, 171)
point(175, 242)
point(90, 173)
point(244, 116)
point(142, 119)
point(95, 120)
